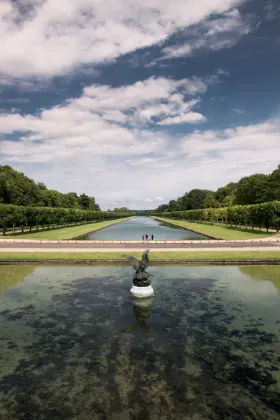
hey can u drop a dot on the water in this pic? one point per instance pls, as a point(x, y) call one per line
point(133, 229)
point(74, 347)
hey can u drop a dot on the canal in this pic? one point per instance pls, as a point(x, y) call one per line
point(133, 229)
point(75, 347)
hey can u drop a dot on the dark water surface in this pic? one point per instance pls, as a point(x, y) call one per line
point(74, 347)
point(134, 228)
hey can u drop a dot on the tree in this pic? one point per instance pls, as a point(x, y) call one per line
point(251, 189)
point(121, 209)
point(71, 200)
point(196, 198)
point(223, 193)
point(42, 186)
point(18, 189)
point(273, 186)
point(185, 201)
point(173, 206)
point(84, 201)
point(210, 200)
point(162, 208)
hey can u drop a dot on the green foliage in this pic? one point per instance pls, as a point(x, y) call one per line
point(11, 215)
point(251, 189)
point(210, 200)
point(18, 189)
point(265, 215)
point(121, 210)
point(273, 185)
point(254, 189)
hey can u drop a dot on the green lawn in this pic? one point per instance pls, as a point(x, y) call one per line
point(218, 232)
point(65, 233)
point(172, 255)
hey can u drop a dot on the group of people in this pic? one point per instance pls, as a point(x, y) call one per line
point(147, 237)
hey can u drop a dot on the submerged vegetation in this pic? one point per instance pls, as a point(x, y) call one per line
point(75, 346)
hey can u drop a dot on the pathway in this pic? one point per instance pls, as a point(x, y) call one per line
point(131, 249)
point(28, 245)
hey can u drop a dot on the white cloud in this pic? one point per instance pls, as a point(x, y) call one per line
point(99, 116)
point(116, 163)
point(177, 51)
point(213, 34)
point(238, 111)
point(50, 38)
point(193, 117)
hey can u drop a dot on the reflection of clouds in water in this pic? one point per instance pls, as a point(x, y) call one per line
point(236, 279)
point(133, 229)
point(89, 362)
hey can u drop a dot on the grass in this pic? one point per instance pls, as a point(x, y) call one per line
point(65, 233)
point(165, 256)
point(218, 232)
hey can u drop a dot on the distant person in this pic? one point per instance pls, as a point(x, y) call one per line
point(143, 237)
point(152, 237)
point(147, 237)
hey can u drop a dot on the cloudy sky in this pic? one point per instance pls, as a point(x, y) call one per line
point(136, 103)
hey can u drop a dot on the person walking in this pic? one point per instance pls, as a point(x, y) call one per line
point(152, 237)
point(146, 236)
point(143, 237)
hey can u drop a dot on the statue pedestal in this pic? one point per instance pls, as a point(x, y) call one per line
point(145, 292)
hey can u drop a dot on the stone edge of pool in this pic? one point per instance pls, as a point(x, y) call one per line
point(153, 263)
point(193, 241)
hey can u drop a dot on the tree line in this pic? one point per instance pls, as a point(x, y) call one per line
point(264, 215)
point(16, 188)
point(254, 189)
point(12, 216)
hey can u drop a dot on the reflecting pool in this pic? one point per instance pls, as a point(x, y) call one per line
point(74, 346)
point(133, 229)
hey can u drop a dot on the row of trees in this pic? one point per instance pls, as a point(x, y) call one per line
point(265, 215)
point(18, 189)
point(254, 189)
point(12, 216)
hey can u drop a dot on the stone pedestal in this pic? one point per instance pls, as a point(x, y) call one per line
point(144, 292)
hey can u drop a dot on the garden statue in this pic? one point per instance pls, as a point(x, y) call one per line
point(141, 284)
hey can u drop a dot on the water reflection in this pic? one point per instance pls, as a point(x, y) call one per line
point(10, 275)
point(141, 309)
point(134, 228)
point(263, 272)
point(74, 346)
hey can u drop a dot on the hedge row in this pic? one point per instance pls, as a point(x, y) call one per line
point(257, 215)
point(23, 216)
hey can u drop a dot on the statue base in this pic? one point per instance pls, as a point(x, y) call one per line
point(145, 292)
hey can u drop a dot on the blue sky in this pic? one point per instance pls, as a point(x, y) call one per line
point(136, 104)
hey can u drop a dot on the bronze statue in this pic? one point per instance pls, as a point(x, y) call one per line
point(141, 278)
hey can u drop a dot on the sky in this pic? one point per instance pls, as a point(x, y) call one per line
point(136, 103)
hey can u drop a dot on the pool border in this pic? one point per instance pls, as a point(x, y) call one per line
point(154, 262)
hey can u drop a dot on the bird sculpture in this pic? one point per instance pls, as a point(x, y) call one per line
point(141, 278)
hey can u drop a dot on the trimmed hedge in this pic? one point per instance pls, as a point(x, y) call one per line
point(256, 215)
point(23, 216)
